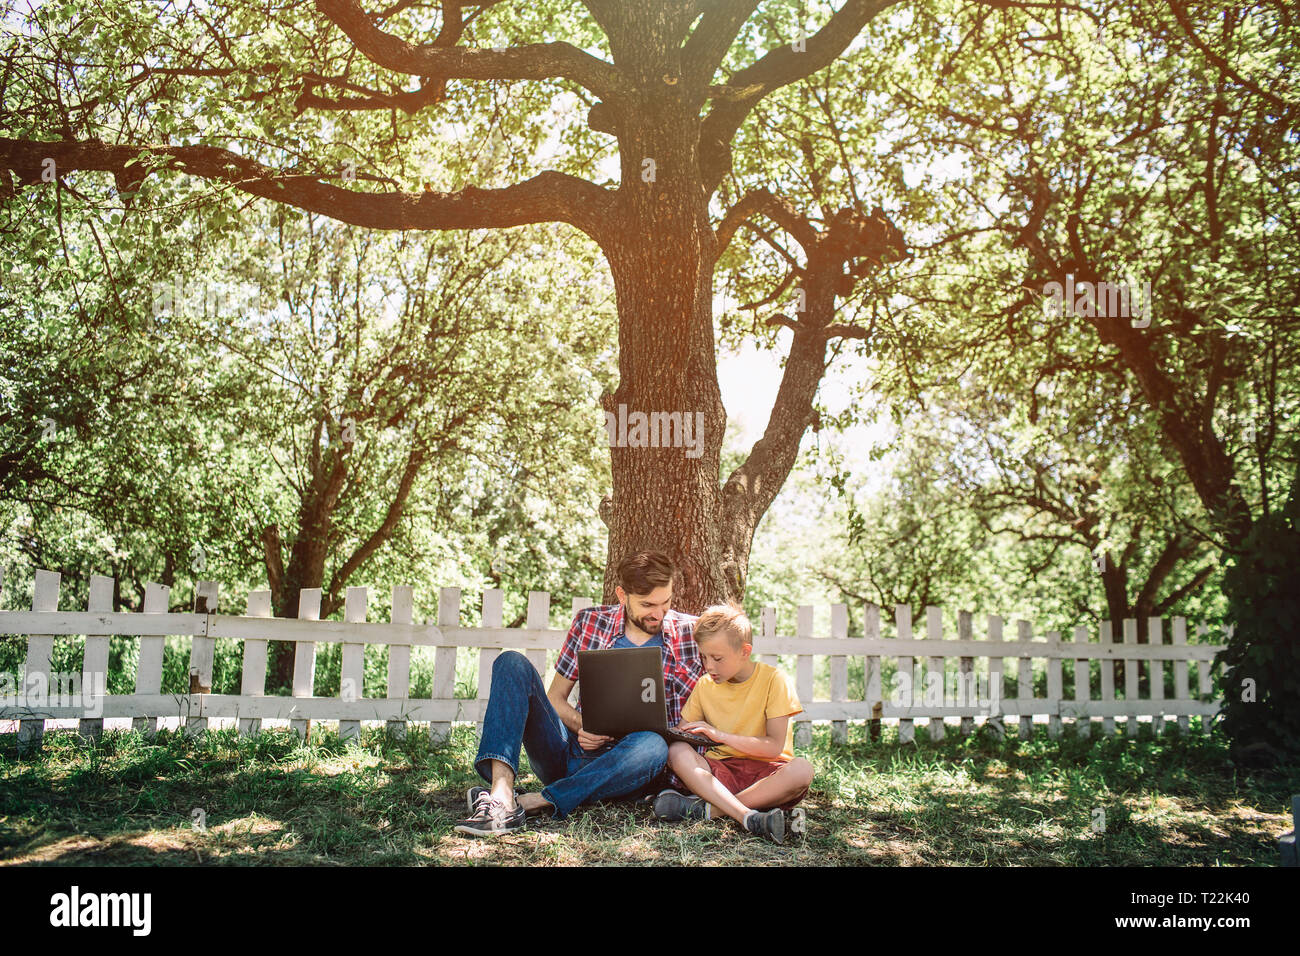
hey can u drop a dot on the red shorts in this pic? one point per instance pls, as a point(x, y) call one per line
point(740, 773)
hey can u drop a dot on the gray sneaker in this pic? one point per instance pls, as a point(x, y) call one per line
point(489, 817)
point(473, 793)
point(768, 823)
point(671, 805)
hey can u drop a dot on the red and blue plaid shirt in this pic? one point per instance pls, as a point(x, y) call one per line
point(597, 628)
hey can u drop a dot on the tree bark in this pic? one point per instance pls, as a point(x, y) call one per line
point(661, 259)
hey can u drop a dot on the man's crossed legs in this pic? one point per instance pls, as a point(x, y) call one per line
point(519, 713)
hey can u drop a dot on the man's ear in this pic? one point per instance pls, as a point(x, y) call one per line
point(746, 649)
point(620, 594)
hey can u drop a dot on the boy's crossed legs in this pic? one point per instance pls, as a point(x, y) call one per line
point(783, 788)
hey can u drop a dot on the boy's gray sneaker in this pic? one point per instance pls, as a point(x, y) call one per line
point(671, 805)
point(488, 817)
point(768, 823)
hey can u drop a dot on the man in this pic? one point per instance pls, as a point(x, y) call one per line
point(575, 766)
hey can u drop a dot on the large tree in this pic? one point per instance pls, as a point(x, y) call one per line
point(1150, 143)
point(669, 81)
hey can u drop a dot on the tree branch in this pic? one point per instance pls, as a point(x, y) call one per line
point(849, 236)
point(778, 210)
point(1195, 584)
point(1281, 105)
point(533, 61)
point(704, 52)
point(549, 196)
point(414, 462)
point(733, 101)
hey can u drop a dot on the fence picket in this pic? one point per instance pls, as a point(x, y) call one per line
point(934, 676)
point(352, 662)
point(538, 618)
point(94, 660)
point(1054, 688)
point(148, 671)
point(997, 683)
point(40, 647)
point(304, 658)
point(839, 671)
point(1025, 682)
point(1082, 688)
point(1107, 679)
point(203, 647)
point(804, 677)
point(1180, 672)
point(252, 680)
point(399, 656)
point(1131, 675)
point(493, 616)
point(967, 683)
point(906, 673)
point(1203, 680)
point(1156, 672)
point(444, 659)
point(871, 691)
point(202, 653)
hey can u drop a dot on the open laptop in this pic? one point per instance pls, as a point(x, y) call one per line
point(622, 692)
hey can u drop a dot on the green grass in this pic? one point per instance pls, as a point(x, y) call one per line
point(271, 800)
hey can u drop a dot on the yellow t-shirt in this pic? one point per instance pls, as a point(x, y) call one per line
point(744, 708)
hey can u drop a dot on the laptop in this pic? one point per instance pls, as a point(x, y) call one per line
point(622, 692)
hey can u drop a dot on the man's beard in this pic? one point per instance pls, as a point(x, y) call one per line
point(652, 630)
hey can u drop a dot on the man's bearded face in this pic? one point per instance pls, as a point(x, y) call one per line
point(647, 611)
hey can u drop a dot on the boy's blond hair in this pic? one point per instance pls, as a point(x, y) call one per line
point(726, 619)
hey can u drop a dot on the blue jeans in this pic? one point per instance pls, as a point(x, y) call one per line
point(518, 711)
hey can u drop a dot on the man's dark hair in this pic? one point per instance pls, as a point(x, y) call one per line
point(642, 572)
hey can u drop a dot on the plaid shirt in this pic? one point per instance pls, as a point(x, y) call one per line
point(596, 628)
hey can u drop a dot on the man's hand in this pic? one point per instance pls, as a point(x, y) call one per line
point(701, 727)
point(592, 741)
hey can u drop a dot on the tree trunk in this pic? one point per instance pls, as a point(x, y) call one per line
point(311, 545)
point(661, 258)
point(666, 498)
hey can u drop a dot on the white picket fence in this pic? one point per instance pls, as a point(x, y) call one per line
point(923, 659)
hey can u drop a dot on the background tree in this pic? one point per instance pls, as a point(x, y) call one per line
point(273, 398)
point(408, 373)
point(1123, 145)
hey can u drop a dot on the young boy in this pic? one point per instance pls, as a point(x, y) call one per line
point(745, 706)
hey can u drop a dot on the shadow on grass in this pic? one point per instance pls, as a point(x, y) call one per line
point(270, 800)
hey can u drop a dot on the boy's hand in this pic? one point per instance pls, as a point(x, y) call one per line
point(701, 727)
